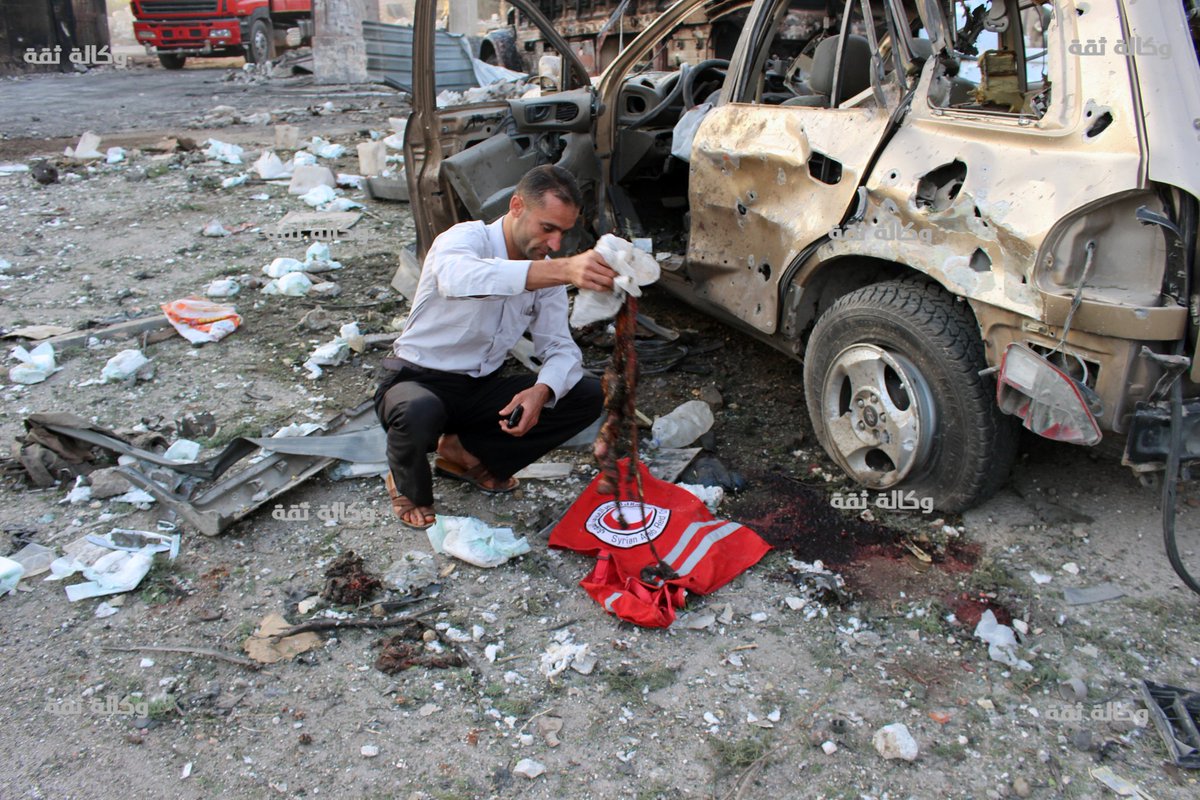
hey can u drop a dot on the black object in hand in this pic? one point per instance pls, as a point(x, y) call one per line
point(514, 419)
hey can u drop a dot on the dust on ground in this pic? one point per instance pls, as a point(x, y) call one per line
point(774, 686)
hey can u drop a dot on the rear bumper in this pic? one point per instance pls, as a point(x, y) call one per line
point(190, 37)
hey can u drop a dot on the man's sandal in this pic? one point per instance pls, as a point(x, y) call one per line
point(401, 506)
point(474, 476)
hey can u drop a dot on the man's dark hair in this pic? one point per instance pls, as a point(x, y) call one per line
point(551, 179)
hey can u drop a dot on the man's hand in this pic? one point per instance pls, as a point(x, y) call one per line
point(532, 400)
point(587, 270)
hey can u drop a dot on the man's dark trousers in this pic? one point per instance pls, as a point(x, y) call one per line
point(417, 405)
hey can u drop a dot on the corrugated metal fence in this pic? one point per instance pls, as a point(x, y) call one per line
point(390, 55)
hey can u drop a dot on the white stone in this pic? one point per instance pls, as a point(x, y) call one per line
point(894, 741)
point(528, 768)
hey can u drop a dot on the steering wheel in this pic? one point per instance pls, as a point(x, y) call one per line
point(672, 96)
point(691, 80)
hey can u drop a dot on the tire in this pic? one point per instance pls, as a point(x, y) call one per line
point(171, 61)
point(260, 48)
point(891, 378)
point(500, 50)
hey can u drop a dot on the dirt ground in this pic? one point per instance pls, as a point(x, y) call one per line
point(774, 686)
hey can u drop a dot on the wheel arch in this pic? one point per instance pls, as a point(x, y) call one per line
point(818, 285)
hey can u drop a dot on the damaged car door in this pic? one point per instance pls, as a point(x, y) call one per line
point(463, 162)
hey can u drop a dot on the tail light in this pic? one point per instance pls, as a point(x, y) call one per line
point(1048, 401)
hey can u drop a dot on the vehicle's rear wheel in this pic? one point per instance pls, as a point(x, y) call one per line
point(891, 376)
point(261, 47)
point(171, 61)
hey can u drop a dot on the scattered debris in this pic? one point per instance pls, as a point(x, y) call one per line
point(86, 150)
point(1122, 787)
point(411, 649)
point(336, 352)
point(471, 540)
point(348, 583)
point(271, 643)
point(34, 559)
point(684, 425)
point(128, 365)
point(200, 321)
point(321, 225)
point(36, 365)
point(1100, 593)
point(224, 152)
point(10, 574)
point(1176, 715)
point(1001, 641)
point(564, 653)
point(413, 570)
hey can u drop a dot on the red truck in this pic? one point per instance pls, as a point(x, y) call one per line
point(256, 29)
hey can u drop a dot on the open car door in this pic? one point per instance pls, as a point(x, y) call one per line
point(463, 162)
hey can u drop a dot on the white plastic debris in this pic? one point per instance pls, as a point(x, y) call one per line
point(684, 425)
point(224, 152)
point(36, 365)
point(413, 570)
point(470, 540)
point(215, 230)
point(87, 149)
point(324, 149)
point(634, 269)
point(105, 610)
point(136, 497)
point(326, 289)
point(236, 180)
point(10, 574)
point(711, 496)
point(331, 354)
point(528, 768)
point(119, 571)
point(270, 166)
point(81, 492)
point(282, 266)
point(293, 284)
point(114, 155)
point(5, 265)
point(341, 204)
point(127, 365)
point(13, 169)
point(1071, 568)
point(183, 450)
point(369, 751)
point(303, 158)
point(828, 747)
point(1040, 577)
point(1001, 641)
point(319, 196)
point(317, 258)
point(223, 287)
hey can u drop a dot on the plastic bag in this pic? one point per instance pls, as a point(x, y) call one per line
point(200, 321)
point(468, 539)
point(319, 196)
point(36, 365)
point(125, 365)
point(223, 151)
point(282, 266)
point(223, 287)
point(685, 131)
point(1001, 641)
point(293, 284)
point(270, 166)
point(635, 268)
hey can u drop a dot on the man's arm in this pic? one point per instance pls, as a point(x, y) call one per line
point(586, 270)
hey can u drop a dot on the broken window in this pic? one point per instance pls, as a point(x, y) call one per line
point(1000, 60)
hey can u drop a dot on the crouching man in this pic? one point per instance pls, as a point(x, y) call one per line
point(482, 287)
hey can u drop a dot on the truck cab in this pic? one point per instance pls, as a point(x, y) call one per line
point(256, 29)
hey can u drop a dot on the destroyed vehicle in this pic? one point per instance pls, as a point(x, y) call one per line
point(962, 217)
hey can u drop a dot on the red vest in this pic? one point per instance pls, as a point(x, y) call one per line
point(704, 553)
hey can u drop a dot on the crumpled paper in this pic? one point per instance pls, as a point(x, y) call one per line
point(634, 269)
point(472, 541)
